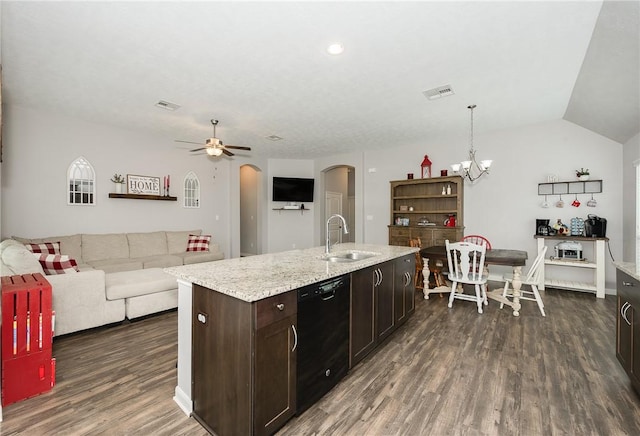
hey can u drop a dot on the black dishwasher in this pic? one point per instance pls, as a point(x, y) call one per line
point(323, 339)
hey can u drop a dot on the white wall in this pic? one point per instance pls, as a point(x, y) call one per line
point(39, 147)
point(291, 229)
point(631, 155)
point(504, 204)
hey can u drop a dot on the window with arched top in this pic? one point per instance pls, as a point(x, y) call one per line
point(191, 191)
point(81, 183)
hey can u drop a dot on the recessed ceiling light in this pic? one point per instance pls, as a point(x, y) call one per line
point(167, 105)
point(335, 49)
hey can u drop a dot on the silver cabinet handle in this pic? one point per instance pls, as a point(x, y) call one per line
point(295, 338)
point(627, 283)
point(381, 276)
point(280, 306)
point(624, 312)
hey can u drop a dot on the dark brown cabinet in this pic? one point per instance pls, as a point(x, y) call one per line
point(628, 326)
point(243, 362)
point(385, 314)
point(404, 270)
point(363, 329)
point(382, 297)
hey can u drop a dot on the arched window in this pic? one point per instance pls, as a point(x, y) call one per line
point(81, 180)
point(191, 191)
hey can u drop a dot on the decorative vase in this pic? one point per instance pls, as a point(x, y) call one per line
point(118, 188)
point(583, 178)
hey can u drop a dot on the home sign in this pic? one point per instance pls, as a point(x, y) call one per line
point(143, 185)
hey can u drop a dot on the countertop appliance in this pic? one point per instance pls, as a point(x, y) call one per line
point(595, 227)
point(323, 339)
point(568, 250)
point(542, 227)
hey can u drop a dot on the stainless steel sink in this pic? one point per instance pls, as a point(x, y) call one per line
point(351, 256)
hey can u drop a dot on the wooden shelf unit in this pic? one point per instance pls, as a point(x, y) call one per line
point(143, 197)
point(425, 197)
point(597, 265)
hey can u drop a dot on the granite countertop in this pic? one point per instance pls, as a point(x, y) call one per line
point(629, 268)
point(253, 278)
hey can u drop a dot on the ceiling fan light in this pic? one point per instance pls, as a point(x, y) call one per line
point(212, 151)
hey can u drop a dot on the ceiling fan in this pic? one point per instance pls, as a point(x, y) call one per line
point(214, 146)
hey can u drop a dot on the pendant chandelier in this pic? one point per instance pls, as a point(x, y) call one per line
point(471, 169)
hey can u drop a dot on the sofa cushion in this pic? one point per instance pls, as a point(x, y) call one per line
point(177, 241)
point(147, 244)
point(162, 261)
point(69, 245)
point(45, 247)
point(200, 256)
point(56, 263)
point(104, 246)
point(141, 282)
point(116, 265)
point(198, 243)
point(16, 259)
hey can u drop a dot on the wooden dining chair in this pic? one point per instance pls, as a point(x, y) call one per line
point(418, 281)
point(477, 239)
point(466, 264)
point(532, 279)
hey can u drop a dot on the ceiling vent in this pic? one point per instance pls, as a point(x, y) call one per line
point(167, 105)
point(274, 138)
point(440, 91)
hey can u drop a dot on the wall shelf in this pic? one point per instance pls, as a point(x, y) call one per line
point(143, 197)
point(573, 187)
point(282, 209)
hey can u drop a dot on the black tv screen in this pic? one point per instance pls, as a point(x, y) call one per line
point(292, 189)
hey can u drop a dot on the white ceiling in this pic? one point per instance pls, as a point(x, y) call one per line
point(261, 68)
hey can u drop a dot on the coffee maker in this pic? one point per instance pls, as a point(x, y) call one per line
point(595, 227)
point(543, 228)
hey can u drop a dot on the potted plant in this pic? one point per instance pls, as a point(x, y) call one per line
point(118, 180)
point(582, 174)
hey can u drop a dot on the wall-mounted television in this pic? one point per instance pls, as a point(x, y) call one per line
point(292, 189)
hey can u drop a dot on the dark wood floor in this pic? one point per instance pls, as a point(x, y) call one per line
point(446, 371)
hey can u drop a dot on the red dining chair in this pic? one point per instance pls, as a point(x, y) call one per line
point(477, 239)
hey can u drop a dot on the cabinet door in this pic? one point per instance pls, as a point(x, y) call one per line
point(363, 333)
point(403, 272)
point(275, 375)
point(623, 336)
point(385, 319)
point(221, 362)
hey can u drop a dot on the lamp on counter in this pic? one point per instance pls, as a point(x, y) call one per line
point(426, 167)
point(471, 169)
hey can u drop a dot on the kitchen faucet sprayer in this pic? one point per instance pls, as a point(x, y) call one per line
point(345, 230)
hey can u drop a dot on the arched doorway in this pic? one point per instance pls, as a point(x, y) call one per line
point(250, 244)
point(339, 197)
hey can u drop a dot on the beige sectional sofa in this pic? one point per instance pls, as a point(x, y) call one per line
point(120, 274)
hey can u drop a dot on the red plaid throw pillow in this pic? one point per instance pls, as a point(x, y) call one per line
point(45, 247)
point(198, 243)
point(57, 263)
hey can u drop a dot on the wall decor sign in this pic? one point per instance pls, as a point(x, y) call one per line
point(143, 185)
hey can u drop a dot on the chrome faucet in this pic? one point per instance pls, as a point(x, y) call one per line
point(345, 230)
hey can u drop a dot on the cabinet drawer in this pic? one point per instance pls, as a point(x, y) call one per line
point(399, 231)
point(275, 308)
point(441, 235)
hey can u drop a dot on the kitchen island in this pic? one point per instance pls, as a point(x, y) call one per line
point(246, 287)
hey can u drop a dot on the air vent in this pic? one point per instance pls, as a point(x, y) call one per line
point(440, 91)
point(273, 138)
point(167, 105)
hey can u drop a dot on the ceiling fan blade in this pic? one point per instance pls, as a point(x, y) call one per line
point(188, 142)
point(198, 149)
point(236, 147)
point(227, 152)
